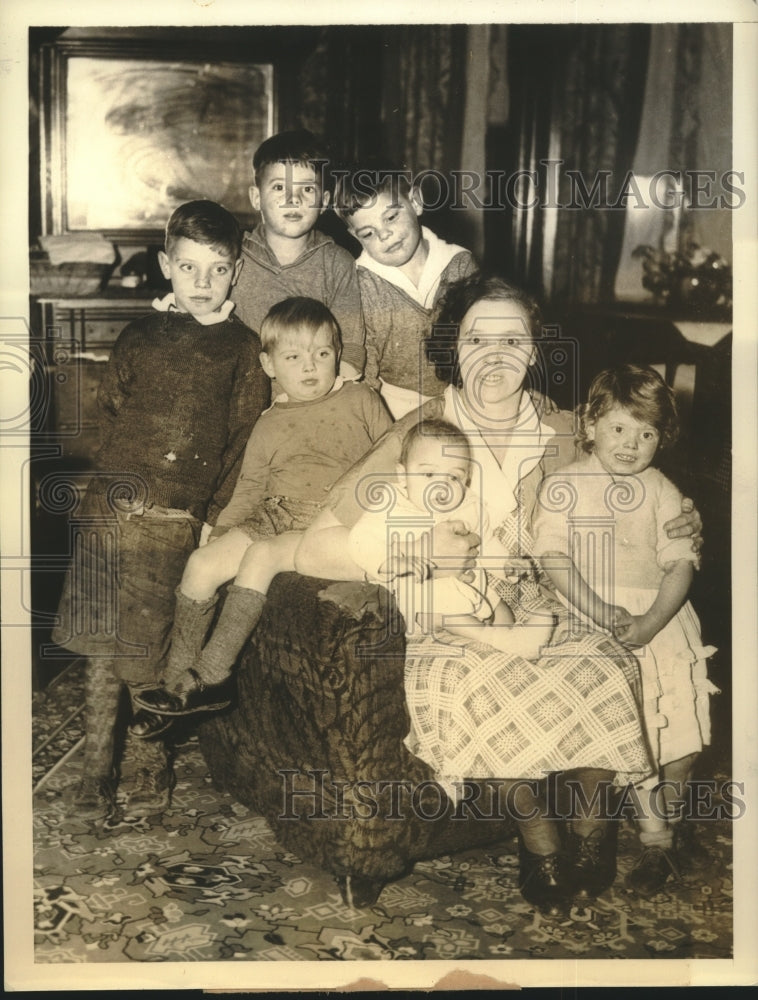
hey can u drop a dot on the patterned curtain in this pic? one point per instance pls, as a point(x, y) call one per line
point(577, 94)
point(339, 89)
point(388, 91)
point(423, 96)
point(603, 97)
point(392, 93)
point(687, 71)
point(701, 133)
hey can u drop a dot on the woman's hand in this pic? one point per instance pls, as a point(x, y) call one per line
point(687, 525)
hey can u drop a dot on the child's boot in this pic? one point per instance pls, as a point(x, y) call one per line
point(656, 865)
point(95, 796)
point(192, 619)
point(153, 779)
point(690, 854)
point(239, 616)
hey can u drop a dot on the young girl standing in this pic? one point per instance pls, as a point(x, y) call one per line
point(599, 536)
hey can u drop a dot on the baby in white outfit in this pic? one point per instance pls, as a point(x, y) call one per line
point(392, 543)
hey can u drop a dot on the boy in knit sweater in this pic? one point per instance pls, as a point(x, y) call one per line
point(403, 272)
point(317, 429)
point(285, 255)
point(178, 401)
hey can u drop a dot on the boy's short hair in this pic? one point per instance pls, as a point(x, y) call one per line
point(361, 186)
point(205, 222)
point(435, 429)
point(294, 146)
point(298, 313)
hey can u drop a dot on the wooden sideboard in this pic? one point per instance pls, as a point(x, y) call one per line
point(71, 339)
point(692, 352)
point(77, 335)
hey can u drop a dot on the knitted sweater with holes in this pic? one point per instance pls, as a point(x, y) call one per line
point(178, 402)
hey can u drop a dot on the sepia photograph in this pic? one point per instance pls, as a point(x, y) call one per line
point(378, 497)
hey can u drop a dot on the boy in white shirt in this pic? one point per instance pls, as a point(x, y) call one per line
point(402, 273)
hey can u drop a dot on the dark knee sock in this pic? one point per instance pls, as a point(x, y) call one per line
point(102, 694)
point(192, 620)
point(239, 616)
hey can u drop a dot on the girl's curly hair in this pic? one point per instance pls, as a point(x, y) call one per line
point(638, 389)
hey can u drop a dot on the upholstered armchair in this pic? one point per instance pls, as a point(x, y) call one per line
point(315, 741)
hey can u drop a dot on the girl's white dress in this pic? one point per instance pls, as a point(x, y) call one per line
point(613, 529)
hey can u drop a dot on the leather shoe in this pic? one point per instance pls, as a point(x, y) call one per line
point(544, 881)
point(147, 725)
point(653, 870)
point(593, 859)
point(197, 697)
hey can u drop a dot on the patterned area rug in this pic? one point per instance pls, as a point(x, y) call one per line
point(207, 881)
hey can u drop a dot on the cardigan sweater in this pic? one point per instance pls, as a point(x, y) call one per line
point(178, 400)
point(582, 506)
point(323, 271)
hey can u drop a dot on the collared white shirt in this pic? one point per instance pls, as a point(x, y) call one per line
point(440, 255)
point(168, 304)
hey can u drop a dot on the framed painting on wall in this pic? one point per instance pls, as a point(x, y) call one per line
point(132, 133)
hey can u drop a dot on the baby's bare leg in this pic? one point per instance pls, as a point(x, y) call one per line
point(503, 614)
point(213, 564)
point(525, 639)
point(267, 557)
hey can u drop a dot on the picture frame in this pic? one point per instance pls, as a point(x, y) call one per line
point(133, 130)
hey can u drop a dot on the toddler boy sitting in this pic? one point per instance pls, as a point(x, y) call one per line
point(285, 256)
point(403, 272)
point(316, 429)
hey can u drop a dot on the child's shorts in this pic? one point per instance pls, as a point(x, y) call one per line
point(118, 594)
point(279, 514)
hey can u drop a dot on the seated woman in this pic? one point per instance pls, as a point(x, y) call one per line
point(476, 712)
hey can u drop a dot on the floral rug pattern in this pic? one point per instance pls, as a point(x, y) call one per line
point(207, 881)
